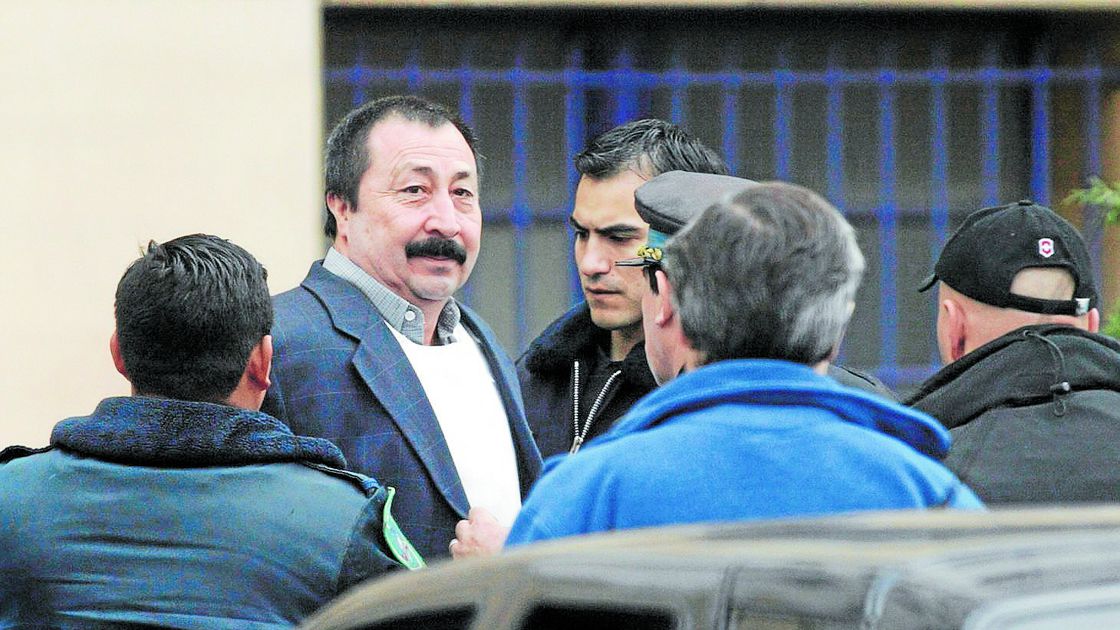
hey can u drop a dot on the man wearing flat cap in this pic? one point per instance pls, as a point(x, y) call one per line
point(667, 203)
point(753, 295)
point(1029, 391)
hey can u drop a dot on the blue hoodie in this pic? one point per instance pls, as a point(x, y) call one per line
point(170, 513)
point(745, 439)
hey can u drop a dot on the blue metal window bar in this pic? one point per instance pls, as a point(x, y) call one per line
point(625, 83)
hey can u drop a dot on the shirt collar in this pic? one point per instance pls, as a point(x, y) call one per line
point(402, 315)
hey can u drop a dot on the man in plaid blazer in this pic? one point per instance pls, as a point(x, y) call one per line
point(373, 352)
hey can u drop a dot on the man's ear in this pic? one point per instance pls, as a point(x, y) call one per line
point(339, 208)
point(1094, 320)
point(955, 322)
point(115, 352)
point(258, 370)
point(664, 297)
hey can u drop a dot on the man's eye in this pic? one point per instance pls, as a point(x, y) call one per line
point(621, 238)
point(413, 190)
point(463, 192)
point(581, 234)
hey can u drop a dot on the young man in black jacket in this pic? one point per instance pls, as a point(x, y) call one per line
point(589, 366)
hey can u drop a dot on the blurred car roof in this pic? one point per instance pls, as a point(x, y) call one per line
point(1037, 567)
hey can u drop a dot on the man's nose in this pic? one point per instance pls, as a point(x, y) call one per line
point(596, 259)
point(443, 218)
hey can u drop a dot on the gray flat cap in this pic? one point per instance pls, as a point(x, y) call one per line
point(667, 202)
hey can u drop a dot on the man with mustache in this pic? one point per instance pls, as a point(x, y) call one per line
point(373, 352)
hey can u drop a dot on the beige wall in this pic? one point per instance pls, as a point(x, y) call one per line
point(125, 120)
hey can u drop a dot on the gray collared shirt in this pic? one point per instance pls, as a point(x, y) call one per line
point(403, 316)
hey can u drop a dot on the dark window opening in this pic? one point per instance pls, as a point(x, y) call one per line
point(566, 617)
point(451, 619)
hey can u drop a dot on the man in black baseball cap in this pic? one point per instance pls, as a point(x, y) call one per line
point(668, 202)
point(1016, 237)
point(1029, 391)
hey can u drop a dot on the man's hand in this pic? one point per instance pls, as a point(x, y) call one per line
point(480, 535)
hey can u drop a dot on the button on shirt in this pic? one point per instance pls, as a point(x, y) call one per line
point(402, 316)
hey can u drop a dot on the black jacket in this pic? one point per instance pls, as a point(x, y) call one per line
point(546, 371)
point(1034, 414)
point(546, 374)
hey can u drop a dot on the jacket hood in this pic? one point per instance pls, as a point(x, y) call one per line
point(574, 336)
point(164, 432)
point(1026, 366)
point(770, 382)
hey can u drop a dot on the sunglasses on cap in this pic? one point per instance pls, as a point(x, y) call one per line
point(649, 259)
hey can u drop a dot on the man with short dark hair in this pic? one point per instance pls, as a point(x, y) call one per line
point(372, 350)
point(588, 367)
point(182, 505)
point(1029, 391)
point(755, 293)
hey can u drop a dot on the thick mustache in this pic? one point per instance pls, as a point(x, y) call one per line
point(436, 247)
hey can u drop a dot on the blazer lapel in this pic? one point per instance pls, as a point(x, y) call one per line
point(390, 377)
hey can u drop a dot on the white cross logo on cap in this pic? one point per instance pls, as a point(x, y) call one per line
point(1046, 247)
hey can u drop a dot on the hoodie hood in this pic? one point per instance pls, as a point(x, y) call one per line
point(1026, 366)
point(150, 431)
point(781, 383)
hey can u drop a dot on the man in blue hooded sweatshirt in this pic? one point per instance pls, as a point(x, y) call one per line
point(748, 303)
point(183, 506)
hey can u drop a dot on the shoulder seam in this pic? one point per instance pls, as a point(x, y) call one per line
point(368, 485)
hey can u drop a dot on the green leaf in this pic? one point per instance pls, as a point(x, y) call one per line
point(1112, 322)
point(1099, 193)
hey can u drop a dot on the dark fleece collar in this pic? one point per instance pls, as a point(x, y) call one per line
point(1019, 369)
point(146, 431)
point(574, 336)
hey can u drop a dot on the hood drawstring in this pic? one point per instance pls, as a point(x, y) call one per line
point(1062, 387)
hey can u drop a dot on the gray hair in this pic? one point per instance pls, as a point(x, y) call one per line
point(771, 273)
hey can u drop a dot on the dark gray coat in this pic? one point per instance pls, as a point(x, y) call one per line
point(1034, 416)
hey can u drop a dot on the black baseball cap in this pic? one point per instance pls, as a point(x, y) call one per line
point(667, 202)
point(992, 245)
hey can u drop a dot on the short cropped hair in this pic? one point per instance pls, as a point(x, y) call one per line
point(649, 147)
point(347, 156)
point(189, 313)
point(770, 274)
